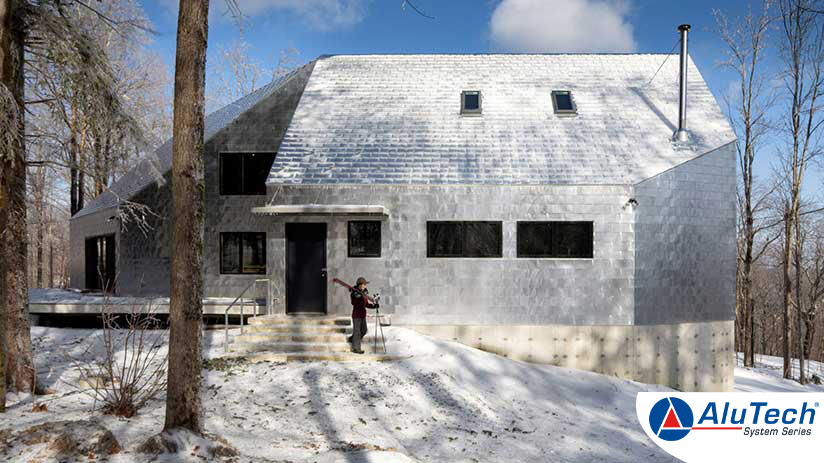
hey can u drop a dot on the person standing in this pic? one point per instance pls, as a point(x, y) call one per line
point(360, 302)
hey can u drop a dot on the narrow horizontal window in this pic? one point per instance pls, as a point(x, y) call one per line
point(364, 238)
point(243, 253)
point(555, 239)
point(563, 103)
point(464, 239)
point(244, 173)
point(471, 102)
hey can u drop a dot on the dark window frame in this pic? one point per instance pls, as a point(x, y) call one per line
point(464, 228)
point(471, 112)
point(553, 253)
point(243, 236)
point(244, 191)
point(349, 238)
point(564, 111)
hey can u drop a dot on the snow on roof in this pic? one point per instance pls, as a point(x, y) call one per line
point(155, 165)
point(396, 119)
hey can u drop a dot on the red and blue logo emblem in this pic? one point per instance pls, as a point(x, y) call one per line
point(671, 419)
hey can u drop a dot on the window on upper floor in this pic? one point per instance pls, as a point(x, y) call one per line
point(563, 103)
point(555, 239)
point(244, 173)
point(471, 102)
point(464, 239)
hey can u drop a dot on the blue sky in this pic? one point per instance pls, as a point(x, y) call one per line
point(317, 27)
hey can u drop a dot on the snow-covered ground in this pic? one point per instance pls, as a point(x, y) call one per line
point(768, 376)
point(443, 402)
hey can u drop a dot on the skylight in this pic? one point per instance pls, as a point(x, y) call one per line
point(563, 103)
point(471, 102)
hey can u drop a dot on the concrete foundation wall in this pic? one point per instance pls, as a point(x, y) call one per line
point(89, 226)
point(685, 242)
point(507, 290)
point(685, 356)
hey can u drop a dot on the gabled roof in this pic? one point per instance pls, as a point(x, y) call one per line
point(155, 165)
point(396, 119)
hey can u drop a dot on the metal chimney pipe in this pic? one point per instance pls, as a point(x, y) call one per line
point(681, 133)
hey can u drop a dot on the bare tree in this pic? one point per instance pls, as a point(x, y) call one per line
point(235, 73)
point(746, 41)
point(19, 361)
point(183, 406)
point(802, 51)
point(38, 29)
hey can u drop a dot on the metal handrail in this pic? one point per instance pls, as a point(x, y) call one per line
point(226, 312)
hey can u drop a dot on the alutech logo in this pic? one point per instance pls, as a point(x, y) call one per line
point(670, 419)
point(745, 426)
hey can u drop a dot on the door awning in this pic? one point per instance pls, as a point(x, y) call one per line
point(323, 209)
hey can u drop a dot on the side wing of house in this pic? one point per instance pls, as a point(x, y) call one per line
point(685, 242)
point(143, 253)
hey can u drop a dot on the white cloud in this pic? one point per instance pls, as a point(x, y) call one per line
point(547, 26)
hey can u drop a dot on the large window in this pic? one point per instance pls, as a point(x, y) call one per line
point(555, 239)
point(244, 173)
point(242, 253)
point(365, 238)
point(464, 239)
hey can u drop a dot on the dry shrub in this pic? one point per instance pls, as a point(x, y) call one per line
point(132, 370)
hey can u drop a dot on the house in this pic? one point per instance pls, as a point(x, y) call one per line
point(531, 205)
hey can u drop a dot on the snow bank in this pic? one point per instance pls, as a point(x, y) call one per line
point(444, 402)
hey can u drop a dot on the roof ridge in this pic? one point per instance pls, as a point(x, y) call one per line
point(332, 55)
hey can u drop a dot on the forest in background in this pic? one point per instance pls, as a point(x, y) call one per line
point(76, 149)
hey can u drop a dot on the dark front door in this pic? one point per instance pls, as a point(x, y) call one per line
point(306, 267)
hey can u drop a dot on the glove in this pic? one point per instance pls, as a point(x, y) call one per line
point(377, 306)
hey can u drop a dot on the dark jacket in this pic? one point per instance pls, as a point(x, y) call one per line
point(360, 303)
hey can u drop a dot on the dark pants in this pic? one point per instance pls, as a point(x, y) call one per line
point(358, 332)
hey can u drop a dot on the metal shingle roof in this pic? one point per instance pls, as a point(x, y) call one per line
point(396, 119)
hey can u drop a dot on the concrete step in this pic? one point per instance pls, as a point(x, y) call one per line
point(298, 347)
point(256, 357)
point(279, 320)
point(295, 337)
point(297, 329)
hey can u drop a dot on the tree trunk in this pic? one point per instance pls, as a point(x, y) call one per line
point(809, 334)
point(787, 315)
point(183, 407)
point(73, 149)
point(81, 183)
point(40, 193)
point(51, 261)
point(746, 291)
point(19, 371)
point(799, 308)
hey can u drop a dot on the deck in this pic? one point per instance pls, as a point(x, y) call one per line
point(44, 301)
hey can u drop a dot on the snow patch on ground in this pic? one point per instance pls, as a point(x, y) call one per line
point(443, 402)
point(768, 376)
